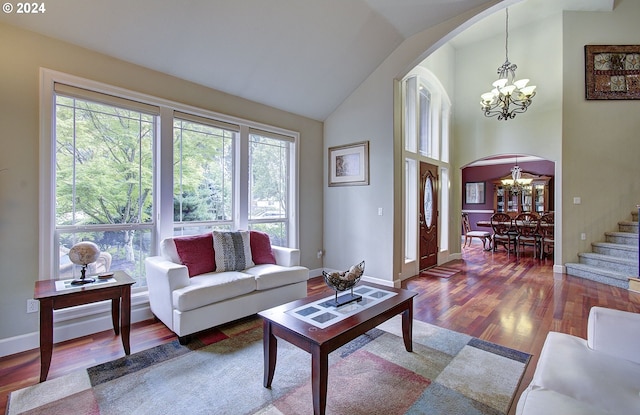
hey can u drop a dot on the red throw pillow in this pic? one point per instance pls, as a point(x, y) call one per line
point(261, 248)
point(196, 252)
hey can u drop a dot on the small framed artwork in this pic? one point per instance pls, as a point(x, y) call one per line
point(474, 194)
point(349, 164)
point(612, 72)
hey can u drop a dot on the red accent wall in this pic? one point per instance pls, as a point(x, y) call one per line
point(488, 174)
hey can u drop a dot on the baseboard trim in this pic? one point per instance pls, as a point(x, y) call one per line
point(315, 272)
point(559, 269)
point(379, 281)
point(67, 326)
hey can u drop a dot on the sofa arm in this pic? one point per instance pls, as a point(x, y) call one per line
point(163, 277)
point(162, 271)
point(287, 257)
point(614, 332)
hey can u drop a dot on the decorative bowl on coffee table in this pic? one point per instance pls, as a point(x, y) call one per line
point(343, 281)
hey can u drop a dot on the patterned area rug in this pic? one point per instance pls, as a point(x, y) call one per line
point(440, 272)
point(447, 373)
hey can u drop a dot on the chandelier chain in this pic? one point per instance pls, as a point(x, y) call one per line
point(506, 37)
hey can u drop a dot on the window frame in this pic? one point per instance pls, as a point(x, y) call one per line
point(180, 227)
point(290, 159)
point(73, 100)
point(162, 164)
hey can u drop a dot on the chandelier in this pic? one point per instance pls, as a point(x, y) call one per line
point(516, 183)
point(508, 96)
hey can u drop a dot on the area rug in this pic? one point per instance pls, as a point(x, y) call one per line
point(447, 373)
point(440, 272)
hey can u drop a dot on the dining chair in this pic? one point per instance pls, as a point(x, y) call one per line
point(502, 231)
point(546, 234)
point(485, 236)
point(527, 226)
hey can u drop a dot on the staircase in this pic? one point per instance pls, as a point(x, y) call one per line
point(611, 262)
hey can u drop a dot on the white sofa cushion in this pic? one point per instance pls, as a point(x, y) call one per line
point(540, 401)
point(270, 276)
point(211, 288)
point(614, 332)
point(569, 367)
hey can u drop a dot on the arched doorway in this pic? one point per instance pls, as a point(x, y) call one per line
point(537, 196)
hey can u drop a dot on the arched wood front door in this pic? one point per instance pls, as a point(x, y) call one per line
point(428, 216)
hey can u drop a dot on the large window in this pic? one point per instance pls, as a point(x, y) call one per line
point(269, 164)
point(203, 176)
point(103, 183)
point(125, 170)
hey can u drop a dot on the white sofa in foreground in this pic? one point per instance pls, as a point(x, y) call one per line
point(188, 295)
point(600, 375)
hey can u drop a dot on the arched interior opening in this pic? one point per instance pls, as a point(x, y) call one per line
point(512, 184)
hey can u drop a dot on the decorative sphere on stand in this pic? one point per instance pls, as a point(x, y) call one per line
point(83, 253)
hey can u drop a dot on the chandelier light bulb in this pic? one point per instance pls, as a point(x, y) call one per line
point(500, 83)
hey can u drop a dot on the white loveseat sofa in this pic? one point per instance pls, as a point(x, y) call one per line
point(600, 375)
point(188, 303)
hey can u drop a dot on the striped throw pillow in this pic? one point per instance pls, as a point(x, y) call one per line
point(232, 251)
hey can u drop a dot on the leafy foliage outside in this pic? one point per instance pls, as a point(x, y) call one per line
point(269, 181)
point(203, 172)
point(269, 177)
point(104, 178)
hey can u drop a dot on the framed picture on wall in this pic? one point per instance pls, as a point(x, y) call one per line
point(612, 71)
point(474, 193)
point(349, 164)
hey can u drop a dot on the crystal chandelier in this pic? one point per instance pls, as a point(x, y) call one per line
point(516, 183)
point(508, 96)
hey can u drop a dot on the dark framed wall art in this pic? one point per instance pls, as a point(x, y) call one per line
point(612, 71)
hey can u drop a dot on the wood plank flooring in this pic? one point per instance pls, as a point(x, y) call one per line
point(494, 297)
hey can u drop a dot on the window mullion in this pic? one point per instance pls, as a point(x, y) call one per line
point(164, 176)
point(73, 174)
point(242, 172)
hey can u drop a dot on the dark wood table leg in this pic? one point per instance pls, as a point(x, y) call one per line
point(46, 337)
point(115, 315)
point(407, 326)
point(319, 375)
point(270, 346)
point(125, 318)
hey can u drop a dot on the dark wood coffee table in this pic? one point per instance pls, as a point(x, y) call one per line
point(322, 341)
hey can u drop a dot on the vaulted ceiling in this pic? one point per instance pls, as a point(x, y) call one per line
point(301, 56)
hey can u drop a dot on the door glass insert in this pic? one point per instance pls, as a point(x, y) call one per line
point(428, 202)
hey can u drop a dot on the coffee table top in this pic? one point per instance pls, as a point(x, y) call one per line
point(282, 315)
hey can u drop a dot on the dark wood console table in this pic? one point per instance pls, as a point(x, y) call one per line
point(118, 291)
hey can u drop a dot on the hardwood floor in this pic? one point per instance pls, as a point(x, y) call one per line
point(494, 297)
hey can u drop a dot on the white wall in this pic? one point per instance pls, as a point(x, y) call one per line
point(23, 54)
point(352, 229)
point(442, 64)
point(593, 144)
point(601, 140)
point(536, 49)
